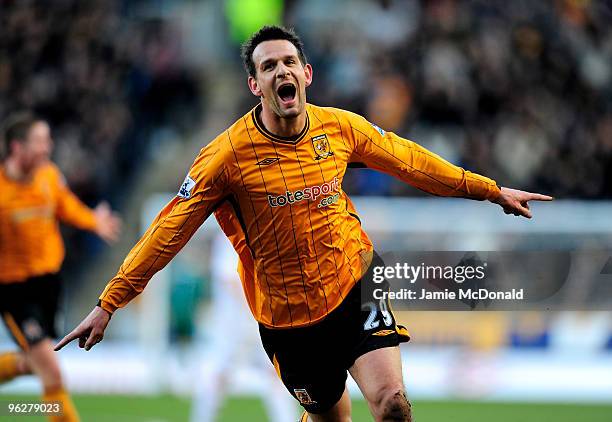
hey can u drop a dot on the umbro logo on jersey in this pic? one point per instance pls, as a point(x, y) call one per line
point(267, 161)
point(383, 333)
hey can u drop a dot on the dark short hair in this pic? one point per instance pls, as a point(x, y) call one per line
point(16, 128)
point(269, 33)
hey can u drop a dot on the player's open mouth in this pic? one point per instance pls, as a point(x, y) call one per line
point(286, 93)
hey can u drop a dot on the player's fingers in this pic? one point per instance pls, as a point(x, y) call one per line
point(71, 336)
point(82, 341)
point(524, 211)
point(103, 207)
point(539, 197)
point(89, 343)
point(116, 225)
point(525, 204)
point(93, 339)
point(111, 230)
point(107, 237)
point(518, 210)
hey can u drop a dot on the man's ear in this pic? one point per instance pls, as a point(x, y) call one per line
point(308, 74)
point(254, 87)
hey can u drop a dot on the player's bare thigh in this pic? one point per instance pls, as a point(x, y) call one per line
point(43, 361)
point(379, 376)
point(341, 412)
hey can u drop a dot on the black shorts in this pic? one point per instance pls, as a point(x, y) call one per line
point(29, 308)
point(313, 361)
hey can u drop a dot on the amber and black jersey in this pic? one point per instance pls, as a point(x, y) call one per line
point(30, 211)
point(280, 202)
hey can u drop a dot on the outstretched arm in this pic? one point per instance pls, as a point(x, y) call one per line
point(413, 164)
point(421, 168)
point(204, 187)
point(170, 231)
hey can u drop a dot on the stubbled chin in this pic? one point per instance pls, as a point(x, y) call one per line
point(283, 111)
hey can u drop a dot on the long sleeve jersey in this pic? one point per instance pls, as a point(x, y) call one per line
point(281, 203)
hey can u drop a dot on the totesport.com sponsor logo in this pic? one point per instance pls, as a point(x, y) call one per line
point(308, 194)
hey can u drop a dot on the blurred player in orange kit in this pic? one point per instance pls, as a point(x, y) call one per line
point(34, 199)
point(274, 182)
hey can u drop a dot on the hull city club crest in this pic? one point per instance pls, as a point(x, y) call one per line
point(321, 147)
point(303, 396)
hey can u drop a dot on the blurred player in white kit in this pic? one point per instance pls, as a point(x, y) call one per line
point(234, 342)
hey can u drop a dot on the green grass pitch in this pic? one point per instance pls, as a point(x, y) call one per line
point(172, 409)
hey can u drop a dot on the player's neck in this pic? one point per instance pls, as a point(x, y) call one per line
point(282, 127)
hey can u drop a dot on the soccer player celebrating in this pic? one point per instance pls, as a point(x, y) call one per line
point(274, 182)
point(34, 197)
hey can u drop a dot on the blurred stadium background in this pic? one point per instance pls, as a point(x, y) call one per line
point(520, 91)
